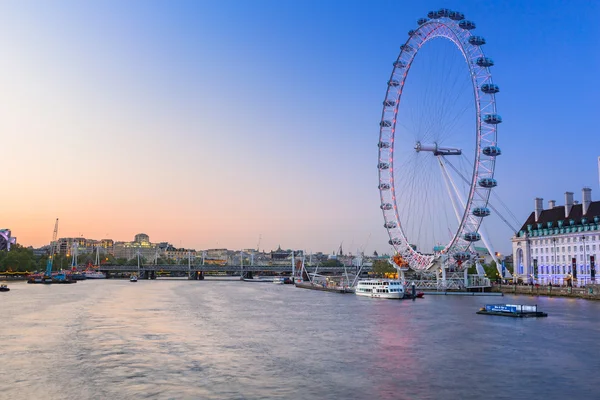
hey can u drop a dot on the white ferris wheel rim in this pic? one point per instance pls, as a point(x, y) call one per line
point(458, 31)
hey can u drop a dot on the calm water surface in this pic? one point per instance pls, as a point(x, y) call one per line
point(178, 339)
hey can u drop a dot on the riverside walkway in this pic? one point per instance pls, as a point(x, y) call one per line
point(590, 292)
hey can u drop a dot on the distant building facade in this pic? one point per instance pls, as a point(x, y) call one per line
point(141, 245)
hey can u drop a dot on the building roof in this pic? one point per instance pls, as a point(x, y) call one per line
point(558, 214)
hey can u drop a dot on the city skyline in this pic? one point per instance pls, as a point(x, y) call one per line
point(213, 124)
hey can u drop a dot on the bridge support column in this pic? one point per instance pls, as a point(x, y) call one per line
point(247, 275)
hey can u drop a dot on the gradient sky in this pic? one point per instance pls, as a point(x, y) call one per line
point(209, 123)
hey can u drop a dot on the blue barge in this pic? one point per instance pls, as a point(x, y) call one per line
point(512, 310)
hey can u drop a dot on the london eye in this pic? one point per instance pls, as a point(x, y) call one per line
point(438, 144)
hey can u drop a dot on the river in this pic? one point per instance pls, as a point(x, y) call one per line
point(179, 339)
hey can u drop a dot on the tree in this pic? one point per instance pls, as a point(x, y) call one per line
point(381, 267)
point(18, 259)
point(332, 263)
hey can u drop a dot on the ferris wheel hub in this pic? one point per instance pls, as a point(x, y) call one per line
point(437, 150)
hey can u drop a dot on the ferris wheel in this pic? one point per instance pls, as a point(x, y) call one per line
point(438, 143)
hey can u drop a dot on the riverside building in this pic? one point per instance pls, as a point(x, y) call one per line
point(559, 244)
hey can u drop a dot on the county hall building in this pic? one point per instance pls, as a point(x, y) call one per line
point(559, 244)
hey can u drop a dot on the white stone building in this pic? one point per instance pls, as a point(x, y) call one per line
point(559, 244)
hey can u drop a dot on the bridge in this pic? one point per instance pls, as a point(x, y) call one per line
point(198, 271)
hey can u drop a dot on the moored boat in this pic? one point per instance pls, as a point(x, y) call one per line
point(4, 288)
point(381, 288)
point(133, 278)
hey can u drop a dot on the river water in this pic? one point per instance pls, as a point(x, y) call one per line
point(179, 339)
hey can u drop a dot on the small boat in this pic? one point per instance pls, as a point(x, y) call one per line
point(280, 280)
point(92, 274)
point(511, 310)
point(4, 288)
point(133, 278)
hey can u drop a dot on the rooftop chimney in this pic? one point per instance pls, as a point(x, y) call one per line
point(539, 207)
point(568, 203)
point(586, 199)
point(551, 204)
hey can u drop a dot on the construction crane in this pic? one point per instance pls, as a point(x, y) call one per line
point(258, 245)
point(53, 245)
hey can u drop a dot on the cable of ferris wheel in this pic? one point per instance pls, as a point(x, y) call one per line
point(489, 204)
point(481, 234)
point(497, 197)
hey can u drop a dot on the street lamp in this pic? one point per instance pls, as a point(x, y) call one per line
point(584, 259)
point(554, 268)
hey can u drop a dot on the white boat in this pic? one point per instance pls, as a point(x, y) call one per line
point(133, 278)
point(382, 288)
point(89, 274)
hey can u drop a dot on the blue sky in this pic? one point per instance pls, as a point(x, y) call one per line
point(209, 123)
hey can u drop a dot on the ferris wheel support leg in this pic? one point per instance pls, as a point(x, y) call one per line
point(466, 277)
point(446, 180)
point(444, 277)
point(483, 236)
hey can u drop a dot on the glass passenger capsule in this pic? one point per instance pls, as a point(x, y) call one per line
point(484, 62)
point(433, 15)
point(492, 151)
point(456, 15)
point(383, 165)
point(407, 47)
point(477, 40)
point(461, 256)
point(389, 103)
point(487, 183)
point(390, 225)
point(468, 25)
point(399, 64)
point(481, 212)
point(385, 124)
point(443, 12)
point(472, 237)
point(490, 88)
point(383, 145)
point(492, 119)
point(393, 83)
point(421, 21)
point(386, 206)
point(395, 241)
point(384, 186)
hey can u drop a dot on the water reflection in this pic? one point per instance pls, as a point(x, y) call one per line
point(222, 340)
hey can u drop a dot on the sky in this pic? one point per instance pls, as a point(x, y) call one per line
point(211, 124)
